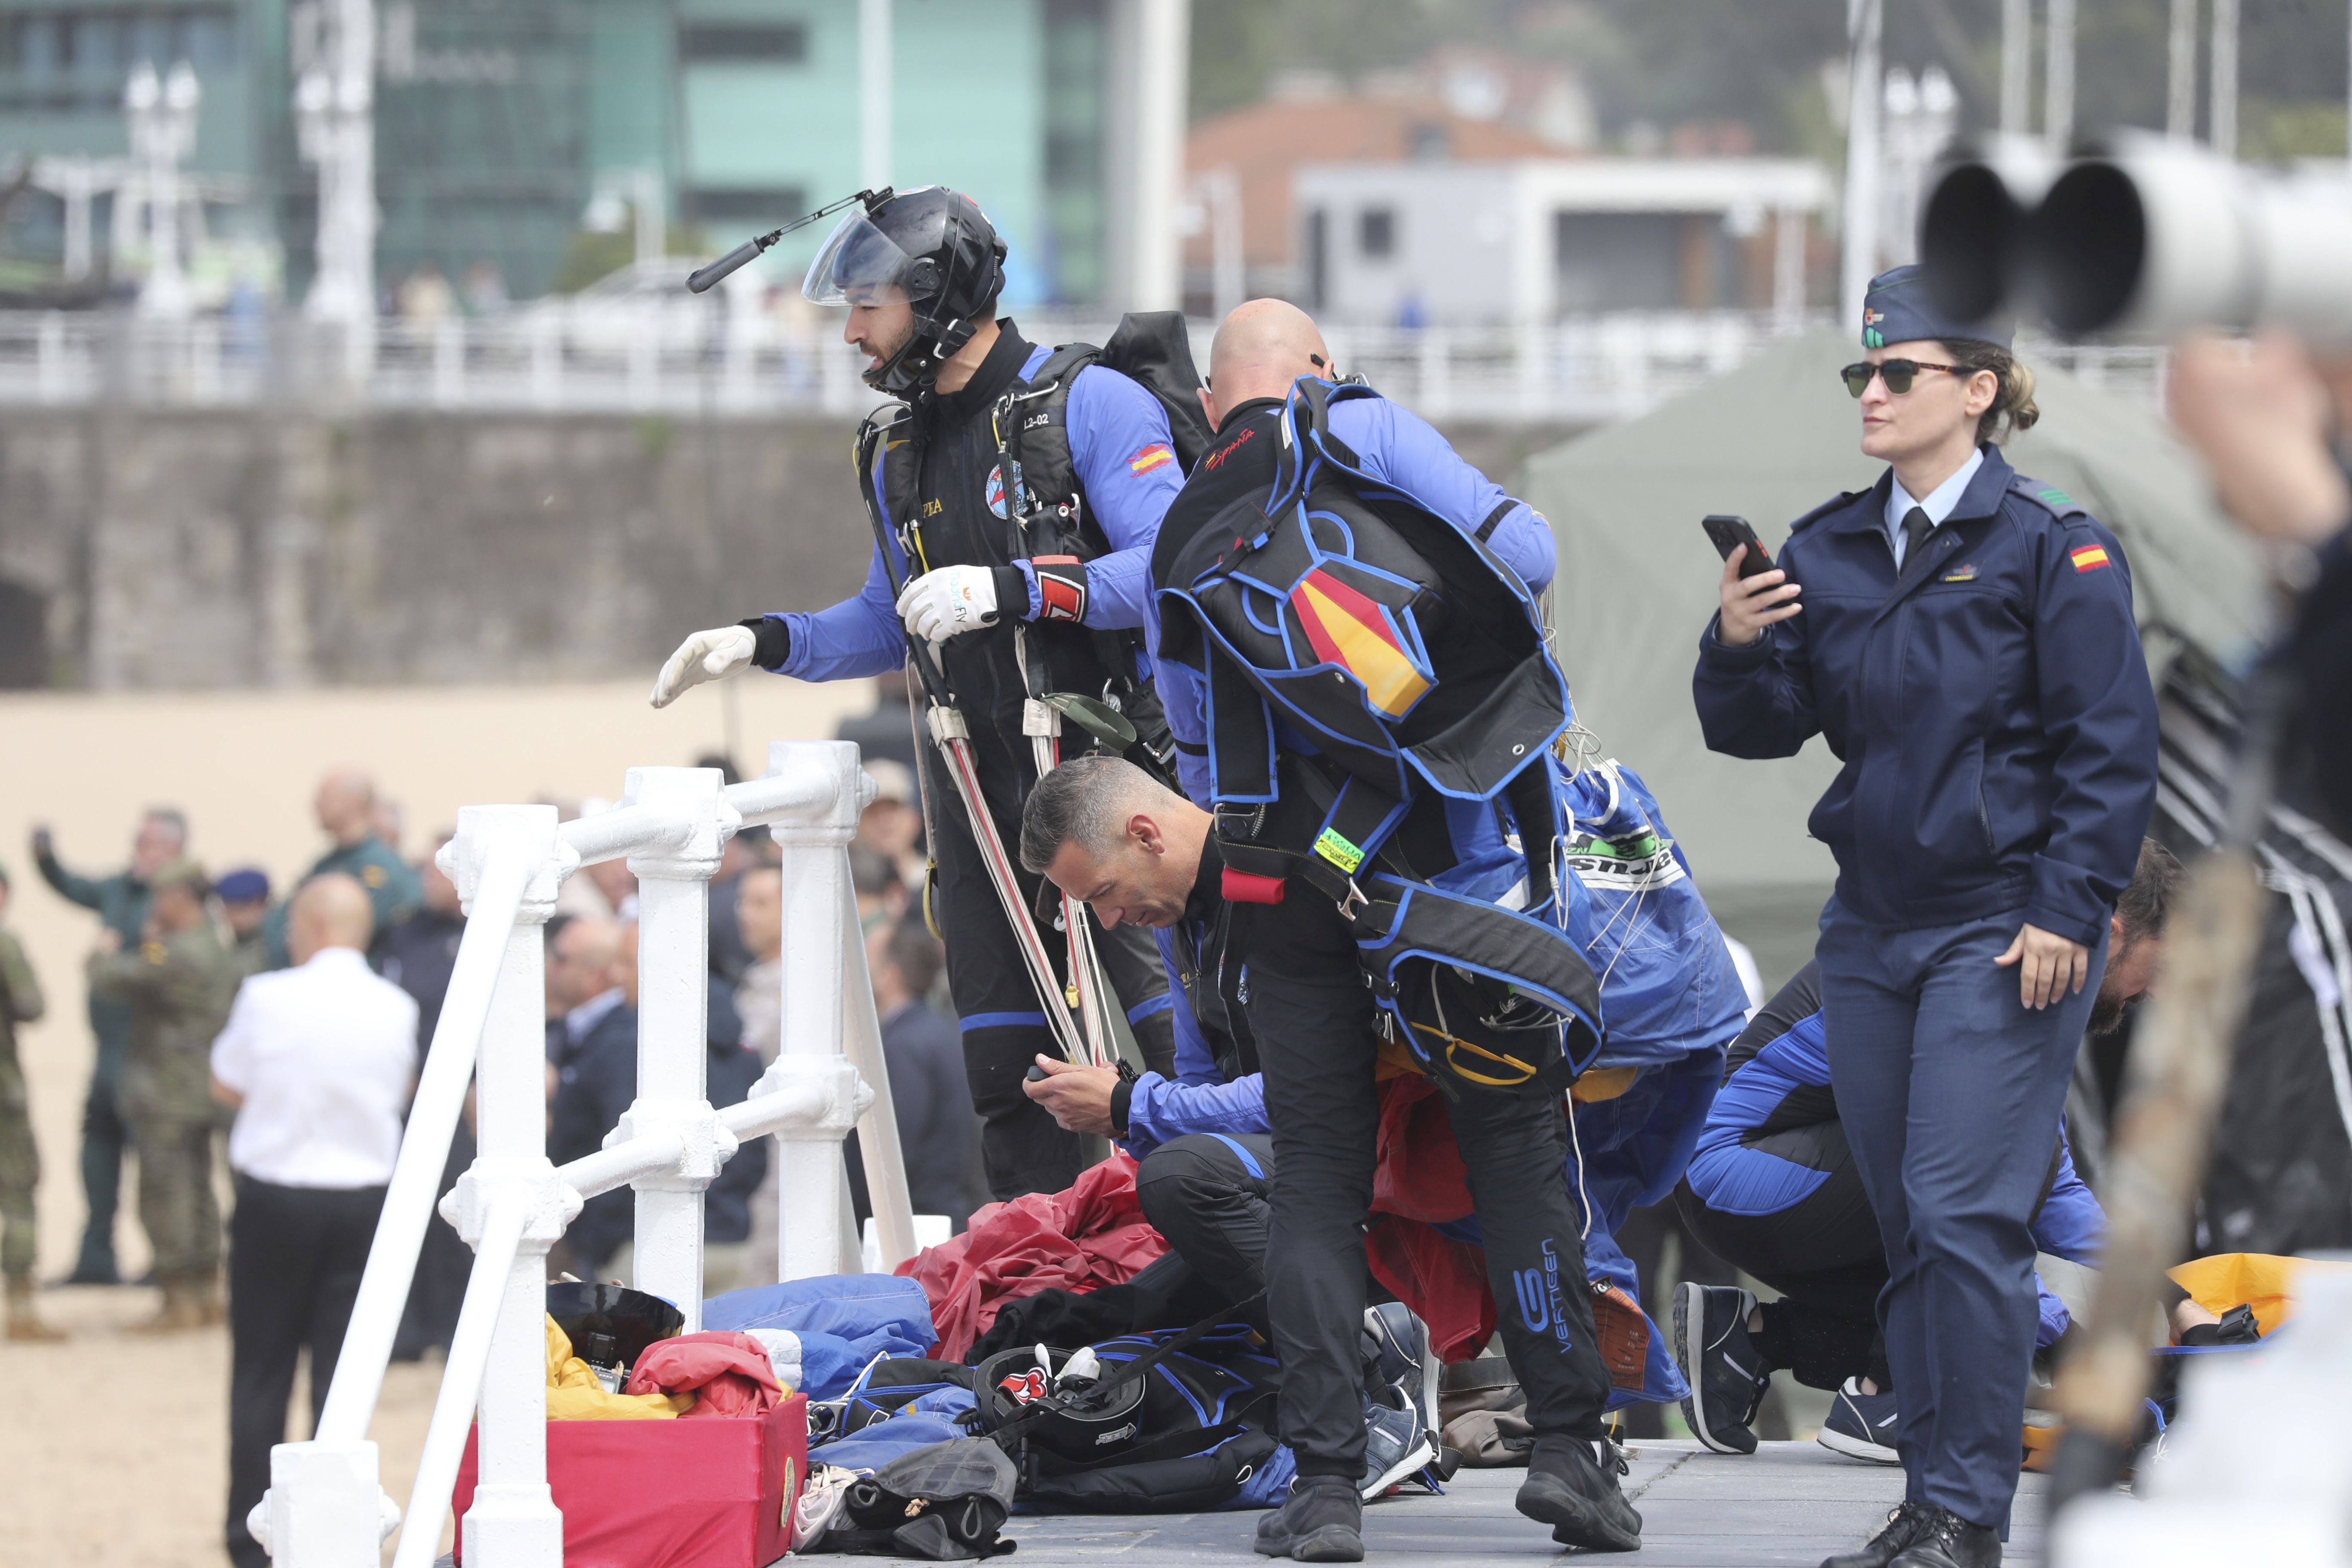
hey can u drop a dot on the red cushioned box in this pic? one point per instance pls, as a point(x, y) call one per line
point(709, 1493)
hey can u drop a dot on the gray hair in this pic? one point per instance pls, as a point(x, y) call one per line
point(1082, 802)
point(169, 818)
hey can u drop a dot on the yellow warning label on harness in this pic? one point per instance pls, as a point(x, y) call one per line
point(1338, 850)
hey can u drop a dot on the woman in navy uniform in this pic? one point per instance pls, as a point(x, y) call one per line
point(1963, 639)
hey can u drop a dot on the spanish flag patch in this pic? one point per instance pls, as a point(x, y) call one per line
point(1155, 456)
point(2090, 558)
point(1352, 631)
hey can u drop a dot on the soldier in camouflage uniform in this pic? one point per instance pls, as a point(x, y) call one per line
point(178, 982)
point(346, 810)
point(20, 1162)
point(120, 903)
point(243, 897)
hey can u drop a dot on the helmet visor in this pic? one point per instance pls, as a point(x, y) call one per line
point(858, 265)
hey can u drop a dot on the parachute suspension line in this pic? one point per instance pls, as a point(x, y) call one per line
point(955, 746)
point(1576, 1144)
point(1085, 994)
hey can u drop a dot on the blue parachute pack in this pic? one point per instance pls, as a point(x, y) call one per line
point(1406, 663)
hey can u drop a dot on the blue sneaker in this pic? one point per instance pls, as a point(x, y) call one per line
point(1862, 1426)
point(1396, 1443)
point(1727, 1376)
point(1397, 1354)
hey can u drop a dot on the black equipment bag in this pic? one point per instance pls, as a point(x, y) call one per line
point(1178, 1420)
point(944, 1503)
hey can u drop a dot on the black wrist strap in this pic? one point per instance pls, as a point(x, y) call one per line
point(771, 641)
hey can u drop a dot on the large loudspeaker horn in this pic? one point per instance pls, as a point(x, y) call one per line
point(1972, 226)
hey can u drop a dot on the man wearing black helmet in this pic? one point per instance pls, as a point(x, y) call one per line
point(1016, 495)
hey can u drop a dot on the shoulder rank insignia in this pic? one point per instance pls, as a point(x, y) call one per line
point(154, 952)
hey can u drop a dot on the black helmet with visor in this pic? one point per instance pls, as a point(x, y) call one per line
point(931, 245)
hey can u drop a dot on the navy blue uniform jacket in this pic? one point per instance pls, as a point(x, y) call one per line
point(1991, 707)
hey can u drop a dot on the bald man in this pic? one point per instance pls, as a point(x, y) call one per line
point(1261, 351)
point(317, 1061)
point(1310, 1016)
point(346, 806)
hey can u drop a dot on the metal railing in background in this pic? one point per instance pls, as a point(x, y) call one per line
point(691, 356)
point(325, 1508)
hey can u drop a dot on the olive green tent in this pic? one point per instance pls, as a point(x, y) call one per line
point(1769, 442)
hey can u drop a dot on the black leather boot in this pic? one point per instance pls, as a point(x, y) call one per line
point(1571, 1490)
point(1947, 1541)
point(1902, 1529)
point(1323, 1521)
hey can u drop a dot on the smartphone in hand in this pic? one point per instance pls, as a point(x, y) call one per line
point(1728, 534)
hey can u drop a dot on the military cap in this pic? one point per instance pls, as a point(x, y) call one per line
point(246, 885)
point(1897, 308)
point(181, 872)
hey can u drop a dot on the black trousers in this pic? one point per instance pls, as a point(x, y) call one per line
point(1211, 1195)
point(1823, 1253)
point(105, 1140)
point(997, 1007)
point(295, 1256)
point(1312, 1018)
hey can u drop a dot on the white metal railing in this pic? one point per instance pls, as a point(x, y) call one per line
point(690, 357)
point(325, 1508)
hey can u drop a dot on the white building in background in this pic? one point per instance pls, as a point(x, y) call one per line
point(1530, 240)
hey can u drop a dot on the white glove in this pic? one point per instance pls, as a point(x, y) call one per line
point(705, 655)
point(937, 605)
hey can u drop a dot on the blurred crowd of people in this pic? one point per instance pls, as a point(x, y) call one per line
point(286, 1033)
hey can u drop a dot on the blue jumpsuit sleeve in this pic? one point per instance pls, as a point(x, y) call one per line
point(2098, 709)
point(1758, 701)
point(1184, 698)
point(1126, 464)
point(1399, 446)
point(1159, 1109)
point(860, 636)
point(2071, 1224)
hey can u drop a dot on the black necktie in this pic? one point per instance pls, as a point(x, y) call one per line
point(1916, 527)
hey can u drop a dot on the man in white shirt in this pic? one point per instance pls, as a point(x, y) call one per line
point(318, 1062)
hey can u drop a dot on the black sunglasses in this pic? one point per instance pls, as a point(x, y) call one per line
point(1898, 374)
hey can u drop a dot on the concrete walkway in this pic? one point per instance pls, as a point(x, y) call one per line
point(1789, 1503)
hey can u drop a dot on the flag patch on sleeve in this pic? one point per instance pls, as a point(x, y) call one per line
point(1155, 456)
point(2090, 558)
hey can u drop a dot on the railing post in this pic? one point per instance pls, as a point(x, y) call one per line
point(810, 1240)
point(514, 1522)
point(673, 1030)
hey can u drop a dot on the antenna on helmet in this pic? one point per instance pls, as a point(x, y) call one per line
point(700, 281)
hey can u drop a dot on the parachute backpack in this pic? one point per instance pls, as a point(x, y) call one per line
point(1412, 657)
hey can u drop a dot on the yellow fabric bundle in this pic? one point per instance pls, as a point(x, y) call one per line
point(575, 1395)
point(2261, 1281)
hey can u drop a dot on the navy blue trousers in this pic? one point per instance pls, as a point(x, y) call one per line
point(1950, 1090)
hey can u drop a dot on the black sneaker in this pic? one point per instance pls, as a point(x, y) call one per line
point(1570, 1489)
point(1727, 1376)
point(1321, 1522)
point(1944, 1540)
point(1862, 1426)
point(1902, 1529)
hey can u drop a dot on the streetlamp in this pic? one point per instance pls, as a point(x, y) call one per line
point(163, 114)
point(334, 123)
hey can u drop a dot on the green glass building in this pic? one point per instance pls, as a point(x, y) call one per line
point(500, 122)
